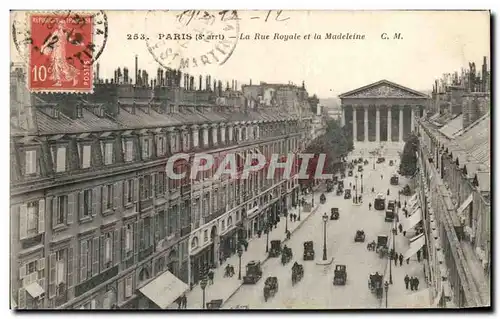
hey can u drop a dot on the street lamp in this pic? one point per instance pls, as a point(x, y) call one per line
point(312, 193)
point(356, 189)
point(268, 230)
point(203, 285)
point(286, 220)
point(325, 219)
point(240, 252)
point(386, 285)
point(361, 183)
point(399, 198)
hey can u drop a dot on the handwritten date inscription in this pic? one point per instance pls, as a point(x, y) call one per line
point(209, 18)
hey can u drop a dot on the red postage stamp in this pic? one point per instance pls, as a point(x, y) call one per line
point(61, 53)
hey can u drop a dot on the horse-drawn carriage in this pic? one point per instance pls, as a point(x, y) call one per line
point(406, 191)
point(275, 249)
point(297, 273)
point(308, 250)
point(347, 194)
point(322, 198)
point(340, 190)
point(286, 255)
point(371, 245)
point(375, 284)
point(270, 287)
point(382, 248)
point(334, 213)
point(254, 272)
point(340, 275)
point(391, 163)
point(394, 179)
point(360, 236)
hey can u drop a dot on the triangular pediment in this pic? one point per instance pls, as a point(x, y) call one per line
point(384, 89)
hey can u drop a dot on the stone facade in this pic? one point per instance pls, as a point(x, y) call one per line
point(93, 215)
point(382, 111)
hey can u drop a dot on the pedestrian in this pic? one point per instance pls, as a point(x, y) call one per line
point(406, 213)
point(259, 233)
point(291, 217)
point(370, 206)
point(400, 259)
point(400, 228)
point(404, 233)
point(418, 256)
point(412, 283)
point(294, 217)
point(396, 259)
point(407, 261)
point(394, 231)
point(211, 277)
point(416, 283)
point(184, 301)
point(179, 302)
point(405, 204)
point(407, 281)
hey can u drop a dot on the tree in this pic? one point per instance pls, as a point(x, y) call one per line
point(335, 144)
point(408, 160)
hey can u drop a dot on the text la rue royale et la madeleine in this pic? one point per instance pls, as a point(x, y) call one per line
point(297, 36)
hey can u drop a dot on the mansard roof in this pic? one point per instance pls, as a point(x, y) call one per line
point(384, 89)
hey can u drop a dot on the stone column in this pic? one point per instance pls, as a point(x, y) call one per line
point(215, 129)
point(354, 125)
point(389, 123)
point(366, 123)
point(342, 118)
point(194, 131)
point(401, 124)
point(412, 118)
point(377, 125)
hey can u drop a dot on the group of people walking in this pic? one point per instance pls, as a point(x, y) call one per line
point(411, 282)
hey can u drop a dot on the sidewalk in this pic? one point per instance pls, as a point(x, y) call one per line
point(224, 288)
point(398, 295)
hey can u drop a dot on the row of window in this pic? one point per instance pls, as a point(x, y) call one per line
point(177, 141)
point(87, 203)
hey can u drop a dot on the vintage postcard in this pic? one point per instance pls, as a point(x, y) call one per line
point(250, 160)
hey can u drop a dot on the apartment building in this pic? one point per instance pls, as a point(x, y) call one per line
point(95, 218)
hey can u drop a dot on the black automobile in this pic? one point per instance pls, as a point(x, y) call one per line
point(350, 173)
point(360, 168)
point(347, 194)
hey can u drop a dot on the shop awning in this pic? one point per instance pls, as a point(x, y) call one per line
point(416, 237)
point(413, 198)
point(414, 210)
point(464, 204)
point(34, 289)
point(164, 290)
point(412, 220)
point(414, 247)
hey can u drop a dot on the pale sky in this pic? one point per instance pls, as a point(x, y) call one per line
point(433, 42)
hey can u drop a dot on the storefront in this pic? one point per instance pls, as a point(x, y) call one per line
point(203, 257)
point(229, 243)
point(161, 292)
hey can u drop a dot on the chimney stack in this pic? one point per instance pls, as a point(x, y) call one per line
point(200, 83)
point(136, 68)
point(97, 72)
point(236, 85)
point(250, 81)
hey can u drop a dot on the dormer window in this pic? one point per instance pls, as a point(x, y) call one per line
point(30, 162)
point(107, 152)
point(160, 145)
point(60, 153)
point(128, 150)
point(146, 148)
point(55, 112)
point(85, 156)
